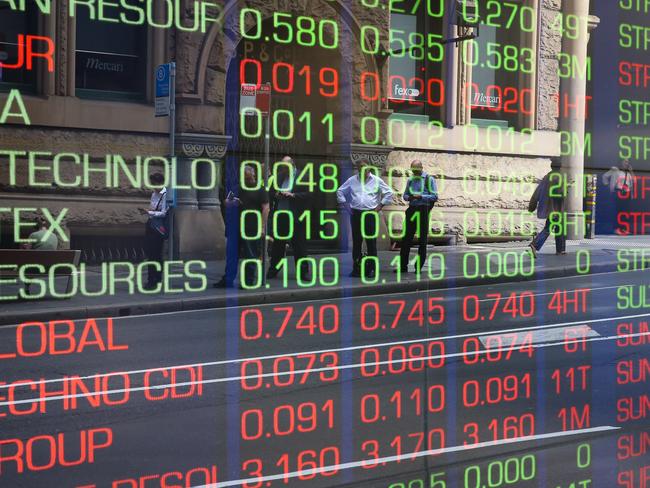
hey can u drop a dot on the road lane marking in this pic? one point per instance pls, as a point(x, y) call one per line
point(410, 456)
point(426, 290)
point(537, 336)
point(286, 373)
point(353, 348)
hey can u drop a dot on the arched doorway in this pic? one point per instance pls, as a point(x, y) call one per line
point(306, 119)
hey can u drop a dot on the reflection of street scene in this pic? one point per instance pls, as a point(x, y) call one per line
point(321, 243)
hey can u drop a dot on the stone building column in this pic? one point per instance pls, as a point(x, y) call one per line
point(209, 199)
point(346, 156)
point(199, 230)
point(572, 105)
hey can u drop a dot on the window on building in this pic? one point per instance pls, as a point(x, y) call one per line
point(12, 24)
point(503, 64)
point(416, 57)
point(111, 59)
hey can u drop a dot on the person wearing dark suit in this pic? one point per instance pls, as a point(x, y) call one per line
point(421, 193)
point(289, 200)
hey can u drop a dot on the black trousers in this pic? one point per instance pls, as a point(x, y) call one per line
point(298, 241)
point(362, 229)
point(416, 220)
point(153, 246)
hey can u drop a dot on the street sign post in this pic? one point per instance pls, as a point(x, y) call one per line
point(163, 90)
point(256, 101)
point(247, 99)
point(165, 106)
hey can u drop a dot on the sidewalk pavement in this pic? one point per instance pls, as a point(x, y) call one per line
point(497, 263)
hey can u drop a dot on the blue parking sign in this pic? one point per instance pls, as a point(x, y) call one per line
point(162, 90)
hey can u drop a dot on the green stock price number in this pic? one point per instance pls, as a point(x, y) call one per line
point(304, 31)
point(497, 264)
point(499, 473)
point(283, 123)
point(436, 480)
point(326, 181)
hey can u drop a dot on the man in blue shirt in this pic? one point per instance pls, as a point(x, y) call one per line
point(421, 193)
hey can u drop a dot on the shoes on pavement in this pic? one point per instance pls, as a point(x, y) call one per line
point(222, 283)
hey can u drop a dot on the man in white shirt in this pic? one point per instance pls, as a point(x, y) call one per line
point(153, 239)
point(364, 195)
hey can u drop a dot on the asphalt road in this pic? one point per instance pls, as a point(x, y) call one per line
point(529, 384)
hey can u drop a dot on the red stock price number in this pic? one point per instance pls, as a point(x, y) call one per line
point(400, 359)
point(287, 420)
point(285, 77)
point(287, 371)
point(313, 320)
point(430, 311)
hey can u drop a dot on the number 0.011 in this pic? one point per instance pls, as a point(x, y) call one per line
point(283, 123)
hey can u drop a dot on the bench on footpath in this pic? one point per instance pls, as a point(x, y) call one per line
point(13, 259)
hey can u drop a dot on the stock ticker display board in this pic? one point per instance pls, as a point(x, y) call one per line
point(324, 243)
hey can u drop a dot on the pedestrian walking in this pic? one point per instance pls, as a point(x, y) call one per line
point(156, 230)
point(289, 200)
point(247, 232)
point(549, 200)
point(364, 195)
point(421, 193)
point(624, 185)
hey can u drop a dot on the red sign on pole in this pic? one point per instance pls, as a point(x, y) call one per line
point(263, 98)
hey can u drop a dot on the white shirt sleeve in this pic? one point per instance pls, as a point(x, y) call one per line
point(343, 192)
point(386, 192)
point(162, 208)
